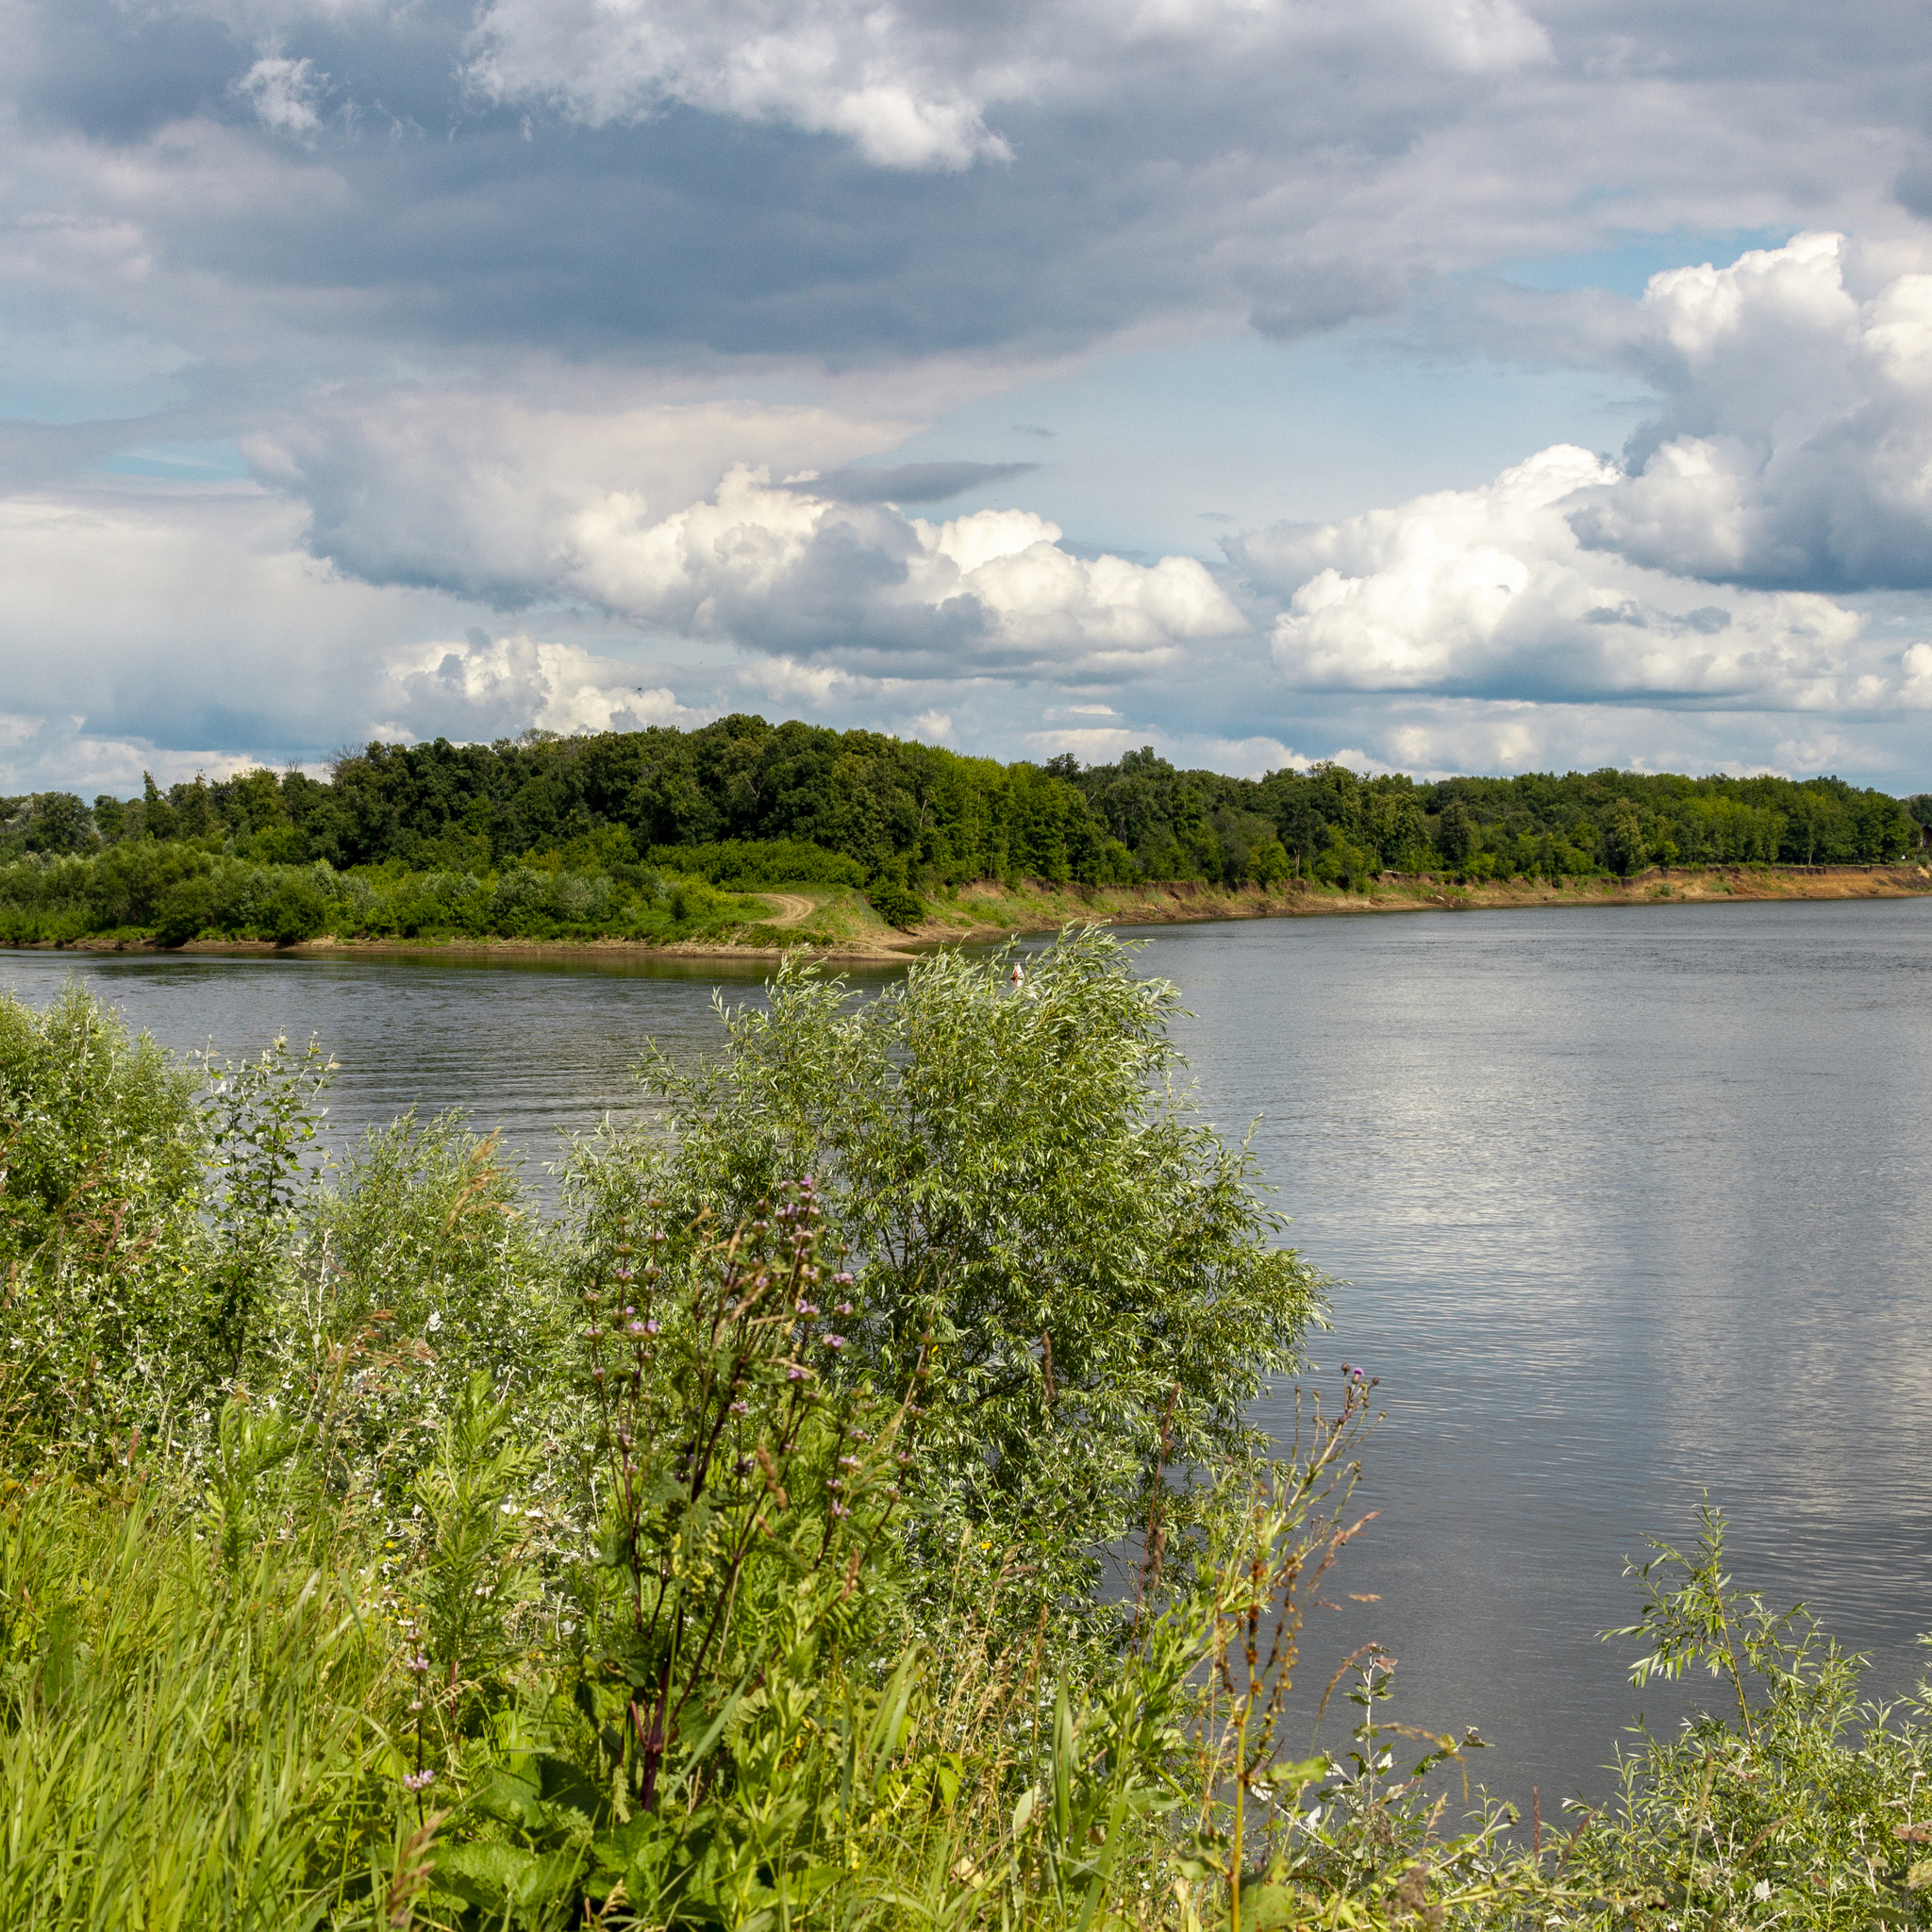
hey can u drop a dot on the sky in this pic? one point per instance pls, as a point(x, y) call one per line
point(1434, 385)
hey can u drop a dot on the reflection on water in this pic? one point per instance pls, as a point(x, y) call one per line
point(1628, 1203)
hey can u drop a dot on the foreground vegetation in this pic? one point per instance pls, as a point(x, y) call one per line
point(844, 1512)
point(656, 835)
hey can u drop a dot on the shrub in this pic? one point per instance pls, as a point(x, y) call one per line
point(894, 904)
point(1022, 1191)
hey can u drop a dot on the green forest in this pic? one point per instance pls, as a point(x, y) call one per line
point(645, 835)
point(843, 1507)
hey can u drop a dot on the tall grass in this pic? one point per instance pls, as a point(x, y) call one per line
point(184, 1743)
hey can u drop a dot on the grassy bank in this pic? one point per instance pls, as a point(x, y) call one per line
point(725, 1550)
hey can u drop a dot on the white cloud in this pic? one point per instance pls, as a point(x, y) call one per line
point(1489, 590)
point(666, 517)
point(498, 497)
point(910, 84)
point(1796, 444)
point(1040, 595)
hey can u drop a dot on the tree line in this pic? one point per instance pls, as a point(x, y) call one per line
point(919, 816)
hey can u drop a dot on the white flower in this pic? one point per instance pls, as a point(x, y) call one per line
point(1761, 1890)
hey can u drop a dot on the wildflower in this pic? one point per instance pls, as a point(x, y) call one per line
point(835, 1341)
point(635, 1329)
point(1761, 1890)
point(840, 1509)
point(650, 1328)
point(740, 1409)
point(794, 1374)
point(843, 1309)
point(419, 1780)
point(841, 1279)
point(808, 1308)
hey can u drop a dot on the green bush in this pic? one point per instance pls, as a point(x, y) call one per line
point(894, 904)
point(1091, 1274)
point(188, 909)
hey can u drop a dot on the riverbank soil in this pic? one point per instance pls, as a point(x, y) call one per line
point(1032, 908)
point(838, 922)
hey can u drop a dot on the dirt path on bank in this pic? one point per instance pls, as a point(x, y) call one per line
point(797, 909)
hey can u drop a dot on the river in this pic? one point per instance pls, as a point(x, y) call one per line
point(1622, 1203)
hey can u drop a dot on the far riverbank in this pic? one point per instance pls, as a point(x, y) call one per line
point(837, 922)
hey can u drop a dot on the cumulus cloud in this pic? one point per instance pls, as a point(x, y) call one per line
point(499, 498)
point(629, 513)
point(1491, 592)
point(992, 590)
point(912, 84)
point(1795, 448)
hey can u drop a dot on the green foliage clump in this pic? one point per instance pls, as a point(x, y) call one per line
point(103, 1248)
point(751, 862)
point(895, 904)
point(1340, 828)
point(1027, 1207)
point(177, 893)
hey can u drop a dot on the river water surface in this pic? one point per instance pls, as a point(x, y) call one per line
point(1622, 1203)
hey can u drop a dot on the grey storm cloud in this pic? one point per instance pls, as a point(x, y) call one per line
point(403, 175)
